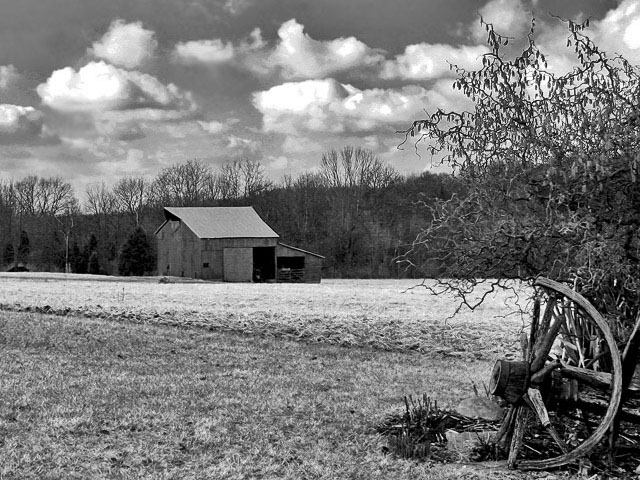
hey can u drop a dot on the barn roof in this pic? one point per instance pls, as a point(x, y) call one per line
point(300, 250)
point(221, 222)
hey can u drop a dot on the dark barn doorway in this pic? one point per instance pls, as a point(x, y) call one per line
point(264, 264)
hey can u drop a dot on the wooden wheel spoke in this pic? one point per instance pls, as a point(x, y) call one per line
point(507, 425)
point(584, 384)
point(546, 341)
point(599, 380)
point(534, 400)
point(521, 419)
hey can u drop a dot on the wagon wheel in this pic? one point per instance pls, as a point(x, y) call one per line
point(570, 376)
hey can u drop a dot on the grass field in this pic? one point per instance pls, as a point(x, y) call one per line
point(147, 380)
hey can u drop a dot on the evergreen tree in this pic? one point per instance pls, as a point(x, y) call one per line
point(8, 254)
point(23, 248)
point(137, 256)
point(93, 266)
point(91, 255)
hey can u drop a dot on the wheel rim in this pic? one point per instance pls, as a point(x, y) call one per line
point(568, 327)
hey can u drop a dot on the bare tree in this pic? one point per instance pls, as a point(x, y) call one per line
point(66, 219)
point(100, 199)
point(132, 195)
point(53, 195)
point(25, 195)
point(230, 180)
point(186, 184)
point(356, 167)
point(42, 196)
point(551, 167)
point(254, 181)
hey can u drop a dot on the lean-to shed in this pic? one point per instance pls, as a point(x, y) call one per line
point(232, 244)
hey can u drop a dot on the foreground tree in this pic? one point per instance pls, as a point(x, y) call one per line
point(551, 167)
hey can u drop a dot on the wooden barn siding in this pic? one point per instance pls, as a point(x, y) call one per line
point(178, 248)
point(238, 264)
point(213, 251)
point(313, 269)
point(312, 264)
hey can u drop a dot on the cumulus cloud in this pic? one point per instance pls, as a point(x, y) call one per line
point(295, 56)
point(217, 51)
point(127, 45)
point(244, 144)
point(425, 61)
point(619, 30)
point(99, 86)
point(300, 56)
point(236, 7)
point(331, 107)
point(8, 76)
point(205, 51)
point(23, 125)
point(509, 17)
point(213, 127)
point(126, 131)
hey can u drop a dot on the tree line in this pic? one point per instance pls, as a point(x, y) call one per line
point(356, 210)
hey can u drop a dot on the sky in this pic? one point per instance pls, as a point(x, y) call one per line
point(94, 90)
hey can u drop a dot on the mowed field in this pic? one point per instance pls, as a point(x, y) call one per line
point(140, 379)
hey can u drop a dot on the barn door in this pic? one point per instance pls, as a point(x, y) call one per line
point(238, 264)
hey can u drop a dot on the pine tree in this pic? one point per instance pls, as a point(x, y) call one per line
point(8, 254)
point(23, 248)
point(137, 256)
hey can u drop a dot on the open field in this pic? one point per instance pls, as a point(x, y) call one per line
point(383, 314)
point(114, 390)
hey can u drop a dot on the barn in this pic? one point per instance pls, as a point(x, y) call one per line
point(232, 244)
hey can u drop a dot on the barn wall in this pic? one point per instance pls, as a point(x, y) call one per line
point(313, 269)
point(178, 251)
point(213, 254)
point(238, 264)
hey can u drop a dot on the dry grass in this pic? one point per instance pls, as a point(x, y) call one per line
point(384, 314)
point(85, 398)
point(135, 397)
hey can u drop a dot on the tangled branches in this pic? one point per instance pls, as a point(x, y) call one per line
point(551, 164)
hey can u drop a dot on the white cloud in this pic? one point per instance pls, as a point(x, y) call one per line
point(236, 7)
point(213, 127)
point(277, 162)
point(127, 45)
point(509, 18)
point(216, 51)
point(125, 131)
point(205, 51)
point(8, 76)
point(300, 56)
point(331, 107)
point(424, 61)
point(100, 87)
point(23, 125)
point(238, 143)
point(301, 145)
point(619, 30)
point(295, 56)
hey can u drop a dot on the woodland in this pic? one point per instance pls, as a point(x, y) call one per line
point(355, 210)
